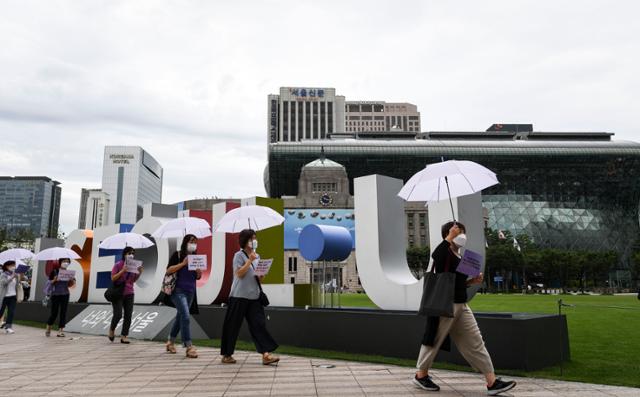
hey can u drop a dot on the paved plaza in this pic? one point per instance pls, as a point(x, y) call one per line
point(33, 365)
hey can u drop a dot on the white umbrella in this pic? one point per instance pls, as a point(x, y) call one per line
point(55, 253)
point(123, 240)
point(254, 217)
point(15, 254)
point(180, 227)
point(448, 179)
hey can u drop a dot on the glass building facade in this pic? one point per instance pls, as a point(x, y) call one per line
point(577, 193)
point(30, 205)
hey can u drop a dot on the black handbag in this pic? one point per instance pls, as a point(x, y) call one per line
point(264, 300)
point(437, 292)
point(114, 292)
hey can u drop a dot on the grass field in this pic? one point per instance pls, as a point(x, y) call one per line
point(604, 335)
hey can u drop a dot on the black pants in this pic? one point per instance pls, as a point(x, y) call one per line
point(127, 303)
point(9, 302)
point(59, 303)
point(252, 310)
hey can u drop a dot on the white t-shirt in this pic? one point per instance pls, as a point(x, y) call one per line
point(11, 288)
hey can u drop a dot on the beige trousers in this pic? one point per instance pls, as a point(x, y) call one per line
point(464, 332)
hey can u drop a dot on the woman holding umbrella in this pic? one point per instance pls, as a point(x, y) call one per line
point(244, 302)
point(59, 297)
point(183, 294)
point(121, 293)
point(120, 275)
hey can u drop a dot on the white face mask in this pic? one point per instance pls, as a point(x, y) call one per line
point(64, 265)
point(254, 244)
point(129, 256)
point(460, 240)
point(192, 247)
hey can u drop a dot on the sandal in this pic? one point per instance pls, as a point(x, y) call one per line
point(125, 341)
point(47, 333)
point(61, 335)
point(171, 347)
point(192, 352)
point(228, 360)
point(270, 359)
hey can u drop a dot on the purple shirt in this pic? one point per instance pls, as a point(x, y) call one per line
point(129, 278)
point(59, 287)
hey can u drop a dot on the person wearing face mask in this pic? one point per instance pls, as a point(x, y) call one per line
point(59, 298)
point(244, 303)
point(120, 275)
point(184, 295)
point(462, 328)
point(9, 285)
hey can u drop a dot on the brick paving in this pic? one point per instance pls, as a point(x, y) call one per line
point(33, 365)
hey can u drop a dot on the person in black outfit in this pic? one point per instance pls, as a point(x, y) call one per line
point(462, 328)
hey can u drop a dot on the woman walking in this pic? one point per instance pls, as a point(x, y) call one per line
point(59, 297)
point(120, 276)
point(9, 289)
point(183, 295)
point(244, 303)
point(462, 328)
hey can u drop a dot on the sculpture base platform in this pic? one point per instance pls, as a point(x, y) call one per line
point(514, 340)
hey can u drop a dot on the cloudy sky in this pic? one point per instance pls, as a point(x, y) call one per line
point(188, 80)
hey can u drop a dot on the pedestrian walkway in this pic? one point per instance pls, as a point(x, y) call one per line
point(33, 365)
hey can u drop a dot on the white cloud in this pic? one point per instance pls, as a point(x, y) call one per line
point(188, 80)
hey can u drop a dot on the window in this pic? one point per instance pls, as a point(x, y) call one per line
point(299, 105)
point(295, 263)
point(354, 108)
point(293, 280)
point(307, 118)
point(315, 121)
point(366, 108)
point(285, 121)
point(323, 121)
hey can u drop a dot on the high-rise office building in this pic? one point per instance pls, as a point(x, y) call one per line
point(131, 178)
point(30, 205)
point(298, 114)
point(379, 116)
point(82, 214)
point(301, 113)
point(97, 209)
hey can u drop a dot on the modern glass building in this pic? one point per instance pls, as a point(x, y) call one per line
point(30, 204)
point(131, 178)
point(564, 190)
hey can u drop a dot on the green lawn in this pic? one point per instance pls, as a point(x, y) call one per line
point(604, 334)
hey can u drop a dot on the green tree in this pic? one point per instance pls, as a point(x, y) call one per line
point(418, 260)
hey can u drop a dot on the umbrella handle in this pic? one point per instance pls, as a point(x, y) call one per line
point(446, 180)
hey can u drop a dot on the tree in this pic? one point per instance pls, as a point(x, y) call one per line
point(418, 260)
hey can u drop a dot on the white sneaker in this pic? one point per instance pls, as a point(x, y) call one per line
point(10, 331)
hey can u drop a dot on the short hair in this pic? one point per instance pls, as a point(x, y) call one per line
point(245, 236)
point(447, 226)
point(126, 251)
point(7, 264)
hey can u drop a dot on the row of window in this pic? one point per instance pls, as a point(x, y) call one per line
point(325, 187)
